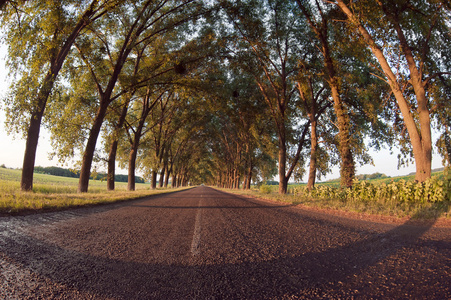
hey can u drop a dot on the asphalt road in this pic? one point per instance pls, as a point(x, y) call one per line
point(206, 244)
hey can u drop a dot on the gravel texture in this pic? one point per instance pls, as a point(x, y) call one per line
point(206, 244)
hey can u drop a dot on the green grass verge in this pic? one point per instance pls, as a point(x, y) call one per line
point(418, 211)
point(58, 193)
point(398, 197)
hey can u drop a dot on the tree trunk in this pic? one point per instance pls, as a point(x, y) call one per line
point(423, 157)
point(245, 182)
point(313, 150)
point(113, 149)
point(85, 171)
point(166, 177)
point(283, 184)
point(132, 158)
point(56, 63)
point(174, 181)
point(111, 166)
point(161, 181)
point(249, 177)
point(26, 183)
point(347, 168)
point(131, 168)
point(154, 180)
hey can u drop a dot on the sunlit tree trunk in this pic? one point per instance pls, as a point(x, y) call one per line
point(320, 28)
point(26, 183)
point(313, 150)
point(154, 180)
point(347, 168)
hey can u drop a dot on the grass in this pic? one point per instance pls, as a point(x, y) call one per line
point(57, 193)
point(385, 206)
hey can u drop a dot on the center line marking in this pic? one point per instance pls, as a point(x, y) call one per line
point(195, 244)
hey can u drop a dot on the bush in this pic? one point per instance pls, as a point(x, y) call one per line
point(265, 189)
point(433, 190)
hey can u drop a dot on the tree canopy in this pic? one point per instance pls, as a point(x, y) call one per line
point(228, 92)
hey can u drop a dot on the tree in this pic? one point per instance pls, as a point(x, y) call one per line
point(314, 97)
point(319, 23)
point(113, 141)
point(140, 24)
point(420, 29)
point(40, 37)
point(137, 130)
point(269, 50)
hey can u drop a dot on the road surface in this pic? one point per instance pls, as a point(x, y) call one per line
point(206, 244)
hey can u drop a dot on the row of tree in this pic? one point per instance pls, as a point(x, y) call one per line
point(231, 91)
point(57, 171)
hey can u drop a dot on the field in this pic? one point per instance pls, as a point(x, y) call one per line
point(398, 196)
point(55, 193)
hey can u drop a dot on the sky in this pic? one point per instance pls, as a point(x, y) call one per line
point(12, 147)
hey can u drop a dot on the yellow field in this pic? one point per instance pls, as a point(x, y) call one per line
point(55, 193)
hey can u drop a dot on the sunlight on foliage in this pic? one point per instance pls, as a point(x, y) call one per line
point(400, 198)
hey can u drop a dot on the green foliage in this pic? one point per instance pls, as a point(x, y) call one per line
point(265, 189)
point(400, 198)
point(56, 171)
point(371, 176)
point(272, 182)
point(433, 190)
point(230, 87)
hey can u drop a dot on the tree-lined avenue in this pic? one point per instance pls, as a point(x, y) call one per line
point(202, 243)
point(228, 92)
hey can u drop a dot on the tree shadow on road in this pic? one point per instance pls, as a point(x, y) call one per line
point(395, 264)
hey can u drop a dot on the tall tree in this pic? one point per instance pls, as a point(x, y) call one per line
point(140, 23)
point(319, 19)
point(40, 35)
point(269, 50)
point(137, 130)
point(421, 30)
point(314, 97)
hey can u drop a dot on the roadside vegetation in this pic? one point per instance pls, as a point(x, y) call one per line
point(397, 196)
point(56, 193)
